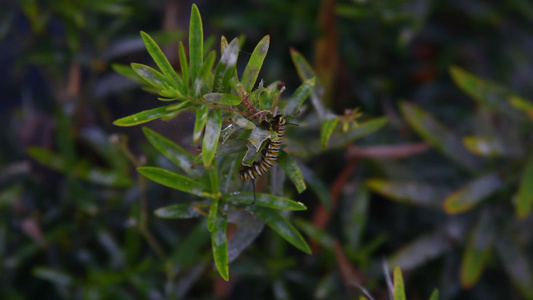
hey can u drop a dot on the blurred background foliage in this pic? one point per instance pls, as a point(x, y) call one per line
point(452, 77)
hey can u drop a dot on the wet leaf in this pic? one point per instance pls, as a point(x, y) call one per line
point(160, 59)
point(212, 217)
point(473, 193)
point(300, 95)
point(280, 225)
point(178, 211)
point(290, 167)
point(175, 181)
point(265, 200)
point(438, 135)
point(172, 151)
point(152, 114)
point(196, 43)
point(358, 132)
point(328, 125)
point(249, 77)
point(199, 123)
point(409, 192)
point(478, 249)
point(222, 99)
point(211, 136)
point(524, 199)
point(220, 246)
point(226, 67)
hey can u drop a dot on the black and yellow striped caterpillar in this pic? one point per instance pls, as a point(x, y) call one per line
point(270, 153)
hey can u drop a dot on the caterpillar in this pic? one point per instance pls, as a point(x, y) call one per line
point(270, 153)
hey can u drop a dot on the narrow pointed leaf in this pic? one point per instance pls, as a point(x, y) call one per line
point(153, 77)
point(54, 276)
point(203, 82)
point(473, 193)
point(80, 169)
point(328, 125)
point(249, 77)
point(411, 192)
point(300, 95)
point(212, 134)
point(488, 93)
point(399, 289)
point(434, 295)
point(318, 186)
point(316, 234)
point(280, 225)
point(175, 181)
point(226, 67)
point(184, 68)
point(219, 244)
point(292, 170)
point(178, 211)
point(438, 135)
point(212, 217)
point(160, 59)
point(358, 132)
point(524, 198)
point(303, 68)
point(212, 172)
point(172, 151)
point(127, 71)
point(477, 252)
point(152, 114)
point(196, 42)
point(265, 200)
point(199, 123)
point(484, 146)
point(222, 98)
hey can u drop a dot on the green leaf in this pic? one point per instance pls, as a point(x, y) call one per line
point(213, 177)
point(410, 192)
point(178, 211)
point(317, 235)
point(358, 132)
point(524, 198)
point(399, 289)
point(152, 114)
point(196, 42)
point(316, 184)
point(184, 68)
point(328, 125)
point(434, 295)
point(489, 93)
point(477, 252)
point(473, 193)
point(249, 77)
point(154, 78)
point(219, 243)
point(222, 98)
point(81, 169)
point(160, 59)
point(175, 181)
point(280, 225)
point(127, 71)
point(172, 151)
point(305, 72)
point(204, 82)
point(292, 170)
point(211, 136)
point(226, 67)
point(199, 123)
point(300, 95)
point(212, 217)
point(484, 146)
point(265, 200)
point(438, 135)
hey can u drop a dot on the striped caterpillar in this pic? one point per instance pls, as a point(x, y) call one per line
point(269, 154)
